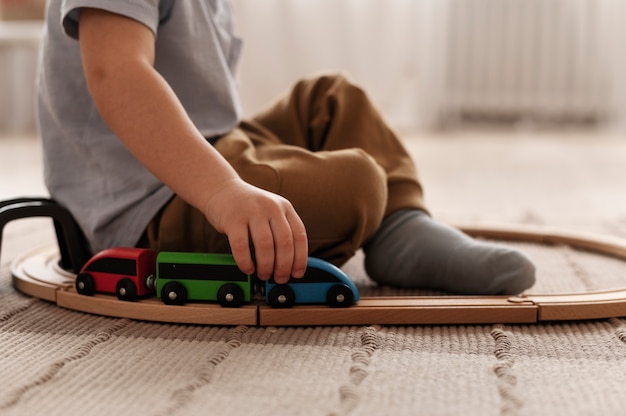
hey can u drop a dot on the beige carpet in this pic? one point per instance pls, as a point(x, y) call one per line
point(59, 362)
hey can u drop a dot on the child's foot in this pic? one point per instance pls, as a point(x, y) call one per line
point(410, 249)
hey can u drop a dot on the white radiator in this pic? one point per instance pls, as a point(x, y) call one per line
point(515, 58)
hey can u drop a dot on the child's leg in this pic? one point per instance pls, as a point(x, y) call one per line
point(326, 149)
point(410, 249)
point(329, 113)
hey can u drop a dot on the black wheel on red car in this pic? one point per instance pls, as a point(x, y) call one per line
point(339, 296)
point(85, 284)
point(281, 296)
point(126, 290)
point(173, 293)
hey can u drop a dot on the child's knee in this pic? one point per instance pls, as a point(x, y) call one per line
point(359, 194)
point(366, 185)
point(351, 207)
point(332, 84)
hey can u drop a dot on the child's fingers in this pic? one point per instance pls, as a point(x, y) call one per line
point(300, 244)
point(281, 247)
point(284, 248)
point(271, 224)
point(240, 248)
point(263, 242)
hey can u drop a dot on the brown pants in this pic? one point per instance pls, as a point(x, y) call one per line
point(325, 148)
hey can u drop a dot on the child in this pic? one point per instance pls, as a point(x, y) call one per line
point(144, 143)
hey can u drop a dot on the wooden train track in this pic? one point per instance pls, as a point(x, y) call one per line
point(37, 274)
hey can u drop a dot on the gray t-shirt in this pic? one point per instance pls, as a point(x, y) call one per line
point(86, 167)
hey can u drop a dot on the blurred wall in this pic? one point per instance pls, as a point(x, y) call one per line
point(20, 32)
point(12, 10)
point(411, 56)
point(371, 41)
point(19, 46)
point(432, 63)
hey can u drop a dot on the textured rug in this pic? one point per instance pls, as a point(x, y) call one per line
point(59, 362)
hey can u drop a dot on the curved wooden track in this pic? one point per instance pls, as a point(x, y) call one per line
point(37, 274)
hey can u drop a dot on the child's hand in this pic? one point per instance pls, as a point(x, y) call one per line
point(247, 214)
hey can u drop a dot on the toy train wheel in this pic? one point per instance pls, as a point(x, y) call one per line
point(126, 290)
point(281, 296)
point(259, 287)
point(230, 296)
point(85, 284)
point(339, 296)
point(151, 282)
point(173, 293)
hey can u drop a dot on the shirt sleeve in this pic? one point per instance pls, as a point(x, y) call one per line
point(147, 12)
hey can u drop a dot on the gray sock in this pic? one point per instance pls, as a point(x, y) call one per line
point(412, 250)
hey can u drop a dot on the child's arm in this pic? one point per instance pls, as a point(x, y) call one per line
point(143, 111)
